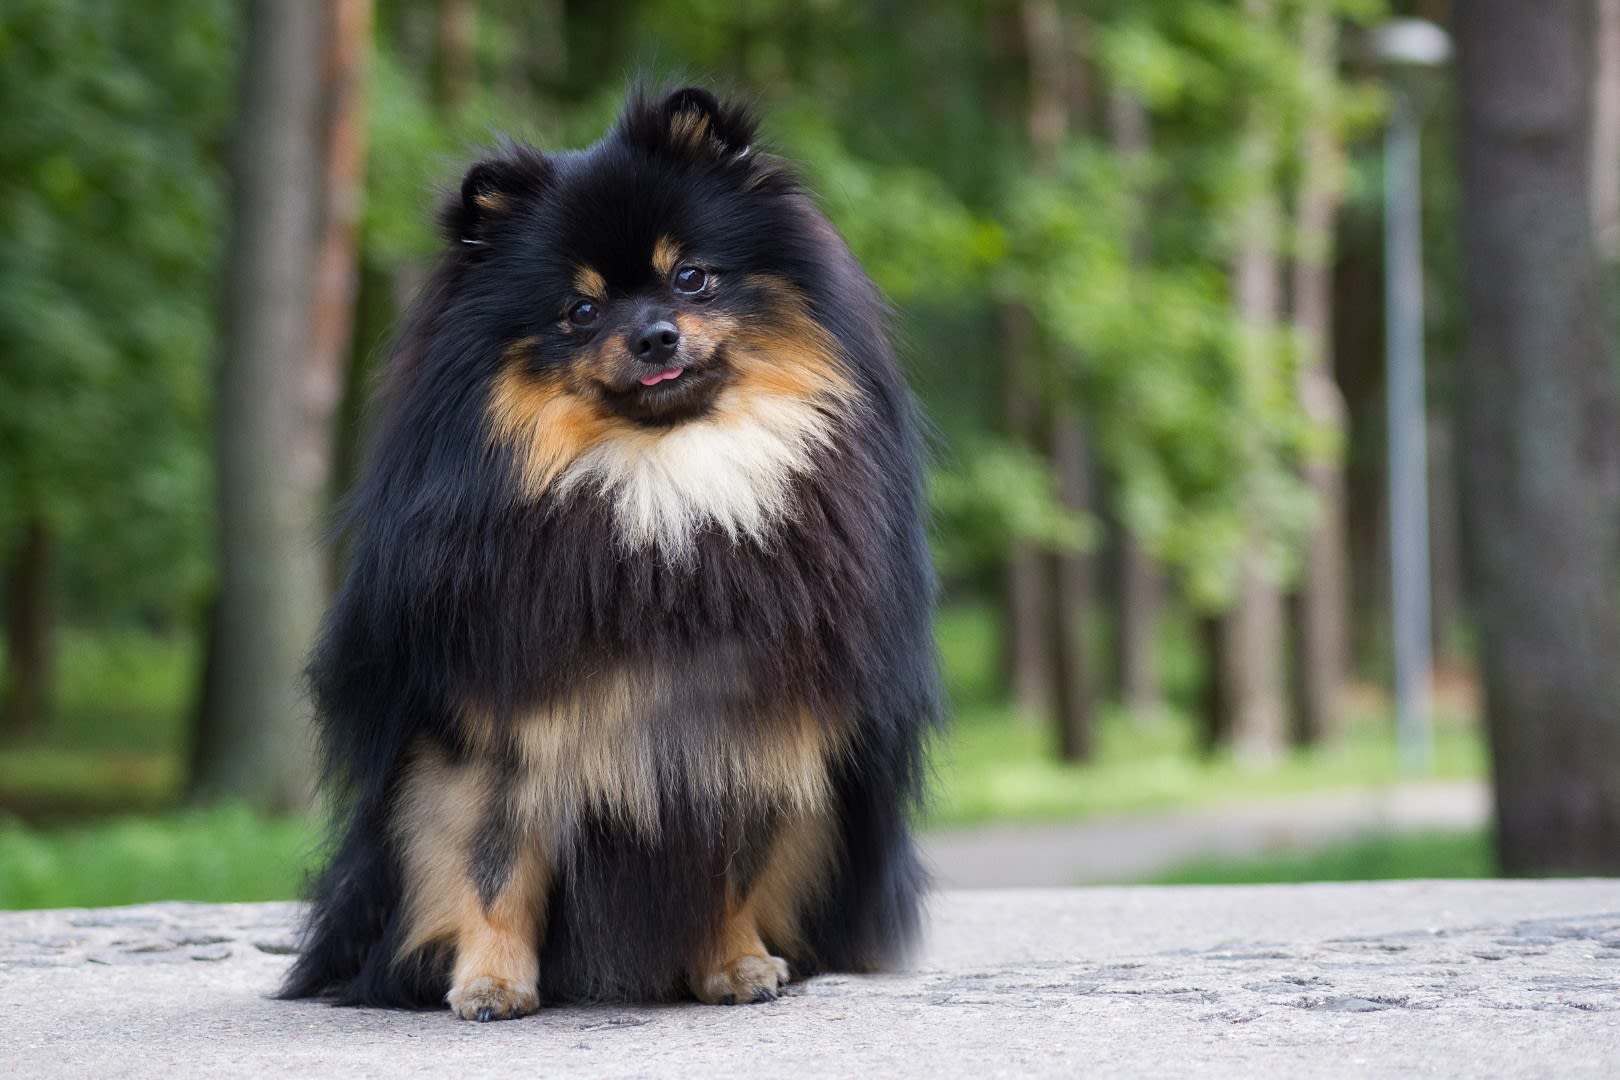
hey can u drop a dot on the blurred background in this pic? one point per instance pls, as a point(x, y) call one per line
point(1267, 345)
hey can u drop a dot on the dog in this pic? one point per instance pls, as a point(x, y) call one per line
point(627, 691)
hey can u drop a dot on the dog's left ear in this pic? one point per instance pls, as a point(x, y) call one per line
point(690, 122)
point(491, 191)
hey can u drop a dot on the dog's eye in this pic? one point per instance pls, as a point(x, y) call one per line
point(584, 313)
point(690, 280)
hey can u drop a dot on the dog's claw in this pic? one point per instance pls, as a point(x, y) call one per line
point(754, 979)
point(486, 999)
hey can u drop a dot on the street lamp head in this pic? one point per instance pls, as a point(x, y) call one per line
point(1411, 43)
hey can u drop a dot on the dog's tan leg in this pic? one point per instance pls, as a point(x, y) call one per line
point(497, 969)
point(740, 967)
point(495, 929)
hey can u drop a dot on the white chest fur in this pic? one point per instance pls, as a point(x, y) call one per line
point(732, 470)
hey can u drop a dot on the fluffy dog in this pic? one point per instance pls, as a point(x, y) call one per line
point(627, 689)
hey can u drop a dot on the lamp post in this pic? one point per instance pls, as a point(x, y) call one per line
point(1407, 48)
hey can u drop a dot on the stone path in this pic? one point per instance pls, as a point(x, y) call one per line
point(1468, 979)
point(1135, 847)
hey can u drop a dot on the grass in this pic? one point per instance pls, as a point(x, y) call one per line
point(1376, 857)
point(222, 854)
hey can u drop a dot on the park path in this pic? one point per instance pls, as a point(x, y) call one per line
point(1135, 847)
point(1478, 979)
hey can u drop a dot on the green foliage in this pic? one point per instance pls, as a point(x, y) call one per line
point(110, 202)
point(993, 494)
point(409, 151)
point(914, 236)
point(1125, 262)
point(1200, 429)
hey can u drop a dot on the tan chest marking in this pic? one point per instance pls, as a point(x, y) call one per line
point(601, 750)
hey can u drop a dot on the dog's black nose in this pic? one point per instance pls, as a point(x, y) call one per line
point(655, 344)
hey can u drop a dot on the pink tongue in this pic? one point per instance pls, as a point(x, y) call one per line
point(662, 376)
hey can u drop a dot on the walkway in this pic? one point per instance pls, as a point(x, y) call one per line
point(1134, 848)
point(1394, 979)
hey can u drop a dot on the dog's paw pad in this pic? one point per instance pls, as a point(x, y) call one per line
point(487, 998)
point(752, 979)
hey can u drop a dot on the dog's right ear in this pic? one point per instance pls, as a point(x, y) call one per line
point(492, 191)
point(688, 123)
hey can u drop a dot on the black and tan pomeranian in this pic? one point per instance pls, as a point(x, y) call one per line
point(627, 689)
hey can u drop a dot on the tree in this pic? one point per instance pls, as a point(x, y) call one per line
point(28, 632)
point(1322, 611)
point(1541, 433)
point(1055, 84)
point(1606, 132)
point(1027, 647)
point(1254, 672)
point(254, 739)
point(337, 295)
point(1139, 584)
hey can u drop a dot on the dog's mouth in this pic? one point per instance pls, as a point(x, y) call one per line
point(667, 375)
point(680, 391)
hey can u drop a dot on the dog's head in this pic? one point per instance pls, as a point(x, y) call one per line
point(653, 301)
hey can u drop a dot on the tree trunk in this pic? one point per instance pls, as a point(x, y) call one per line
point(1446, 591)
point(1057, 89)
point(1139, 589)
point(541, 61)
point(1026, 641)
point(1140, 603)
point(1541, 434)
point(375, 312)
point(1073, 599)
point(1215, 701)
point(1250, 658)
point(28, 633)
point(1252, 632)
point(255, 730)
point(337, 293)
point(1358, 369)
point(454, 62)
point(1323, 608)
point(1606, 133)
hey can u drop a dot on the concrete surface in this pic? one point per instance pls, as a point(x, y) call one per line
point(1136, 847)
point(1467, 979)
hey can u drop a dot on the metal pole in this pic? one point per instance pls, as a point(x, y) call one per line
point(1408, 437)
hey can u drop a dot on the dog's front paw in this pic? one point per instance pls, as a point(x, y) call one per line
point(748, 979)
point(488, 998)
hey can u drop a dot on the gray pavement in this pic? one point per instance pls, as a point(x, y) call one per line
point(1467, 979)
point(1132, 848)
